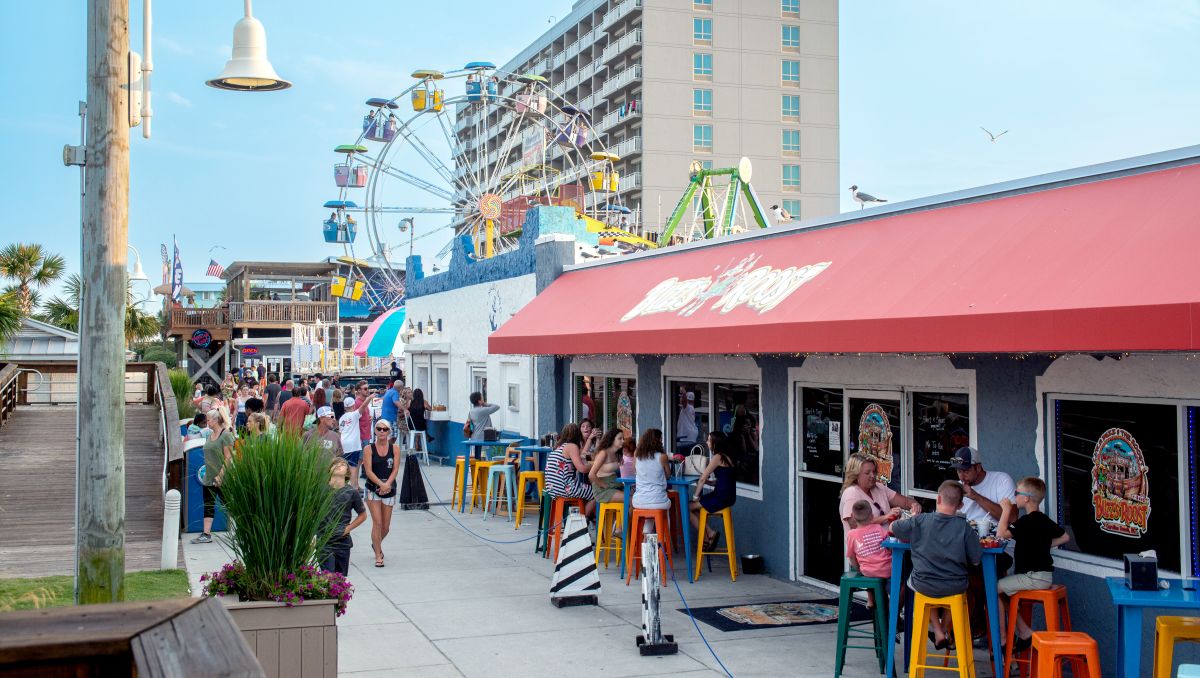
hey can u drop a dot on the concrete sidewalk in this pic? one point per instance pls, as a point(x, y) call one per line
point(452, 603)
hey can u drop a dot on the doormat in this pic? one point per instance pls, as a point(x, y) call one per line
point(776, 615)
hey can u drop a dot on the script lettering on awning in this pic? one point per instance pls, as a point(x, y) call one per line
point(762, 289)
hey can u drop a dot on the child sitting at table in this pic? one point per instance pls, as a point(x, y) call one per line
point(864, 547)
point(943, 547)
point(1033, 535)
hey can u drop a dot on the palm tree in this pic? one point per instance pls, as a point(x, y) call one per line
point(65, 313)
point(30, 266)
point(10, 317)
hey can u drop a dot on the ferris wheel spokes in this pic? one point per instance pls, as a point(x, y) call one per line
point(408, 178)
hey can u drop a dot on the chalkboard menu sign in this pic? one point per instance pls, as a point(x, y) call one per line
point(823, 444)
point(941, 424)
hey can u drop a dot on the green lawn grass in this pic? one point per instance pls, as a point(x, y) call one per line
point(38, 592)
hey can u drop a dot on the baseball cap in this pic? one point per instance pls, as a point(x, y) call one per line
point(324, 412)
point(691, 396)
point(965, 458)
point(348, 402)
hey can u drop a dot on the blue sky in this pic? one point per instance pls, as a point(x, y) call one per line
point(1076, 82)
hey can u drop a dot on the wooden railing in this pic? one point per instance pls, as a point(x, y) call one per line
point(9, 391)
point(282, 312)
point(198, 318)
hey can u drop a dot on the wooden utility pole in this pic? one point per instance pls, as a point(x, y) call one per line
point(100, 474)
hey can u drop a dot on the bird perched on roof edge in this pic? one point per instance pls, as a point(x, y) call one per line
point(863, 198)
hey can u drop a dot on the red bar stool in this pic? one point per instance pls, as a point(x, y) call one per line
point(634, 550)
point(1058, 618)
point(558, 515)
point(1051, 648)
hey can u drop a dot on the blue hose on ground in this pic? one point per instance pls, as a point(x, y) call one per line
point(693, 618)
point(450, 512)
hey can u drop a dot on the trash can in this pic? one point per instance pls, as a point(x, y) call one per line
point(193, 499)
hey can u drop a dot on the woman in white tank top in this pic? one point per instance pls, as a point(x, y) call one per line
point(650, 490)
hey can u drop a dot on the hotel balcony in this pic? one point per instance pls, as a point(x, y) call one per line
point(624, 44)
point(621, 79)
point(622, 10)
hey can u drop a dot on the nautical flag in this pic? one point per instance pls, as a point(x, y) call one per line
point(166, 265)
point(176, 276)
point(214, 269)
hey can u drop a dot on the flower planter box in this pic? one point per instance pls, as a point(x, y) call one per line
point(289, 642)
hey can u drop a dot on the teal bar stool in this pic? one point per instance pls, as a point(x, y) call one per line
point(848, 631)
point(509, 487)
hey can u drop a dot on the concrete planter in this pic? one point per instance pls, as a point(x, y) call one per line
point(289, 642)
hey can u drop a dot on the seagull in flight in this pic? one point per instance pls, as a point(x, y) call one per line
point(216, 247)
point(863, 198)
point(991, 136)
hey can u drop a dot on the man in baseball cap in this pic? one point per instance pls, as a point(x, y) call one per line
point(983, 489)
point(325, 433)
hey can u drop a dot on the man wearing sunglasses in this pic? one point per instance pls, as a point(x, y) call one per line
point(984, 490)
point(351, 433)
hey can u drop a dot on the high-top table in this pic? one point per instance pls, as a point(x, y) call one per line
point(1131, 605)
point(476, 448)
point(541, 451)
point(899, 549)
point(684, 487)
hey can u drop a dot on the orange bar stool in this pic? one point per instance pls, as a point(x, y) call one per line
point(637, 522)
point(455, 497)
point(729, 551)
point(676, 530)
point(608, 539)
point(1058, 618)
point(479, 484)
point(1167, 632)
point(557, 515)
point(961, 623)
point(1051, 648)
point(526, 477)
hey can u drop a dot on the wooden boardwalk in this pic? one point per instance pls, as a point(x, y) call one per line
point(37, 491)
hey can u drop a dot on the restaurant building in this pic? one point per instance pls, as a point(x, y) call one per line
point(1051, 322)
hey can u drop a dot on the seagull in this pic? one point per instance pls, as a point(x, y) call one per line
point(991, 136)
point(781, 215)
point(863, 198)
point(214, 247)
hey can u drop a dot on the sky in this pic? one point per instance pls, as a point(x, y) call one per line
point(1075, 82)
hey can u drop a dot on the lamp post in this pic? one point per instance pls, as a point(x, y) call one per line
point(407, 224)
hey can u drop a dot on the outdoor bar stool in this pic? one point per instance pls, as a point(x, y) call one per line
point(730, 551)
point(557, 516)
point(479, 485)
point(459, 464)
point(1058, 618)
point(507, 485)
point(538, 478)
point(1050, 648)
point(961, 624)
point(1188, 671)
point(847, 630)
point(662, 525)
point(1167, 632)
point(607, 542)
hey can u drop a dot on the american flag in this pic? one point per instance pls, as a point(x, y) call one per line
point(214, 269)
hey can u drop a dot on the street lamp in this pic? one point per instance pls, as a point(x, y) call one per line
point(138, 275)
point(406, 224)
point(248, 70)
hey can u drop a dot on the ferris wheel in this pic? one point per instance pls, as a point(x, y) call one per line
point(431, 164)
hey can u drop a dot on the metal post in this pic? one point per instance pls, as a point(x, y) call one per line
point(100, 475)
point(170, 532)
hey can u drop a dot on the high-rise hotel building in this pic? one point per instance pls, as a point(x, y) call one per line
point(668, 82)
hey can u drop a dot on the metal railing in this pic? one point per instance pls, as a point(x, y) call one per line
point(621, 10)
point(616, 117)
point(621, 79)
point(9, 392)
point(284, 312)
point(620, 46)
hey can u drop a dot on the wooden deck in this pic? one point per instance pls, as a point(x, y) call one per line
point(37, 491)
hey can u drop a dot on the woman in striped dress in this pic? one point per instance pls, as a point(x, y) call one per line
point(565, 469)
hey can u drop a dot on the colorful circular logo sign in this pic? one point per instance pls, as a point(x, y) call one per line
point(249, 350)
point(201, 338)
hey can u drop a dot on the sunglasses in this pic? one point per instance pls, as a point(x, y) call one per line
point(382, 428)
point(1023, 494)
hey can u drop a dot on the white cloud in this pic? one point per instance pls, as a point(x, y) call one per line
point(179, 100)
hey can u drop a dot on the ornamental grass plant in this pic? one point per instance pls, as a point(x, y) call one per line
point(181, 385)
point(276, 493)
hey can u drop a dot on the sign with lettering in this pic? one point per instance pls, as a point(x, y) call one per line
point(249, 350)
point(201, 338)
point(761, 288)
point(1120, 484)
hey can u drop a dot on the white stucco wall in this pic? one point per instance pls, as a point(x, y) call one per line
point(469, 315)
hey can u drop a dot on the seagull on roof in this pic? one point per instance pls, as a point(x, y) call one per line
point(782, 216)
point(991, 136)
point(863, 198)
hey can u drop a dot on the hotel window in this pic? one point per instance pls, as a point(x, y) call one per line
point(732, 408)
point(703, 5)
point(791, 107)
point(702, 31)
point(702, 102)
point(792, 207)
point(702, 66)
point(791, 38)
point(791, 177)
point(702, 138)
point(1116, 484)
point(791, 72)
point(791, 7)
point(791, 142)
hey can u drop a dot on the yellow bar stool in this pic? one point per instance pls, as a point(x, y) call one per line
point(730, 551)
point(455, 497)
point(1167, 632)
point(609, 521)
point(536, 477)
point(957, 605)
point(479, 485)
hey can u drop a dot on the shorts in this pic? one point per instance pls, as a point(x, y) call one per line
point(1026, 581)
point(353, 458)
point(387, 501)
point(336, 559)
point(211, 494)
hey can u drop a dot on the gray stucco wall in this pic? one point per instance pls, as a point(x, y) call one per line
point(649, 392)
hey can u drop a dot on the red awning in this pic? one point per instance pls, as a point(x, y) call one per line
point(1110, 265)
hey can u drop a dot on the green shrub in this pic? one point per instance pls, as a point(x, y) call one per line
point(160, 354)
point(181, 385)
point(277, 495)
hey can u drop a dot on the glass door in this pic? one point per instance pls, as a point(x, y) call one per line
point(822, 454)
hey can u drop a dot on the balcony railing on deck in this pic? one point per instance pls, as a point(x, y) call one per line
point(282, 312)
point(198, 318)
